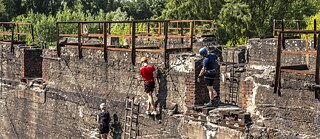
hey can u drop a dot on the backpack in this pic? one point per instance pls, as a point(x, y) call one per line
point(104, 120)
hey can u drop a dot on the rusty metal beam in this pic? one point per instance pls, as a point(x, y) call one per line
point(58, 40)
point(105, 39)
point(181, 32)
point(191, 34)
point(18, 32)
point(79, 40)
point(307, 50)
point(317, 78)
point(166, 57)
point(299, 52)
point(298, 31)
point(133, 43)
point(278, 66)
point(315, 34)
point(12, 38)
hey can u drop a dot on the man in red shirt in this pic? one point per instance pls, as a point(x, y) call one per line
point(148, 73)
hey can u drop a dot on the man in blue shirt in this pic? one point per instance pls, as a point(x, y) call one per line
point(208, 71)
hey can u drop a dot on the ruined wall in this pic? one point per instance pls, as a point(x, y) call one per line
point(293, 115)
point(67, 104)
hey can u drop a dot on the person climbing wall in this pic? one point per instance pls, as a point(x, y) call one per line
point(208, 71)
point(148, 73)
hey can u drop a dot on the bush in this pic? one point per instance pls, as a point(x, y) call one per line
point(45, 25)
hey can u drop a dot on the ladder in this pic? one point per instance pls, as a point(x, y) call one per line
point(131, 128)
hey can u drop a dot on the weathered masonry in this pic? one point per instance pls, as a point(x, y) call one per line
point(50, 94)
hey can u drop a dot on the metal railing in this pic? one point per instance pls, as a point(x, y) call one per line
point(298, 69)
point(135, 34)
point(12, 32)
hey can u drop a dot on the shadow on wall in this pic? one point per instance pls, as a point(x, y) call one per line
point(116, 129)
point(162, 94)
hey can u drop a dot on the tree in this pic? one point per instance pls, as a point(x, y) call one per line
point(235, 17)
point(3, 13)
point(192, 9)
point(265, 11)
point(144, 9)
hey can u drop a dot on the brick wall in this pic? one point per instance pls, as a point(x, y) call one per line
point(246, 91)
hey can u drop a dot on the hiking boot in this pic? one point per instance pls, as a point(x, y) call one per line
point(208, 104)
point(148, 112)
point(154, 113)
point(217, 100)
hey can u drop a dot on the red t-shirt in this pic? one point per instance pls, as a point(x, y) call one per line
point(147, 73)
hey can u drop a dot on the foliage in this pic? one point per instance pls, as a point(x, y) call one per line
point(310, 23)
point(235, 17)
point(235, 20)
point(45, 25)
point(265, 11)
point(192, 9)
point(144, 9)
point(3, 12)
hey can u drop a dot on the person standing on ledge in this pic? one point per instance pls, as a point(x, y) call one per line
point(148, 73)
point(208, 71)
point(103, 118)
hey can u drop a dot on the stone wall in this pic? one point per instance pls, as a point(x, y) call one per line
point(66, 104)
point(293, 115)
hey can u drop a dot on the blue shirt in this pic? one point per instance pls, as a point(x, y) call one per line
point(209, 62)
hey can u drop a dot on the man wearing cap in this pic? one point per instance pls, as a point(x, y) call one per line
point(208, 71)
point(148, 73)
point(103, 118)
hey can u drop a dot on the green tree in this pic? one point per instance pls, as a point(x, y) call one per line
point(144, 9)
point(93, 6)
point(265, 11)
point(3, 13)
point(192, 9)
point(235, 17)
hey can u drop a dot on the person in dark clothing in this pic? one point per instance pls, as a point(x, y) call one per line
point(103, 118)
point(208, 71)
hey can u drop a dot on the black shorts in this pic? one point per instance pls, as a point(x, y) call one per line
point(209, 82)
point(149, 87)
point(104, 130)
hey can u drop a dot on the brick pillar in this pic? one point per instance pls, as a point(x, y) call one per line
point(190, 90)
point(197, 93)
point(246, 90)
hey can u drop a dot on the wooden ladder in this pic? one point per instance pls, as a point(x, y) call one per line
point(131, 128)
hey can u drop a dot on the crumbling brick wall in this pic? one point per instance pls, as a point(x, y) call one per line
point(75, 88)
point(293, 115)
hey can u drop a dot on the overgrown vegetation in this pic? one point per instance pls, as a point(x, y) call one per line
point(235, 20)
